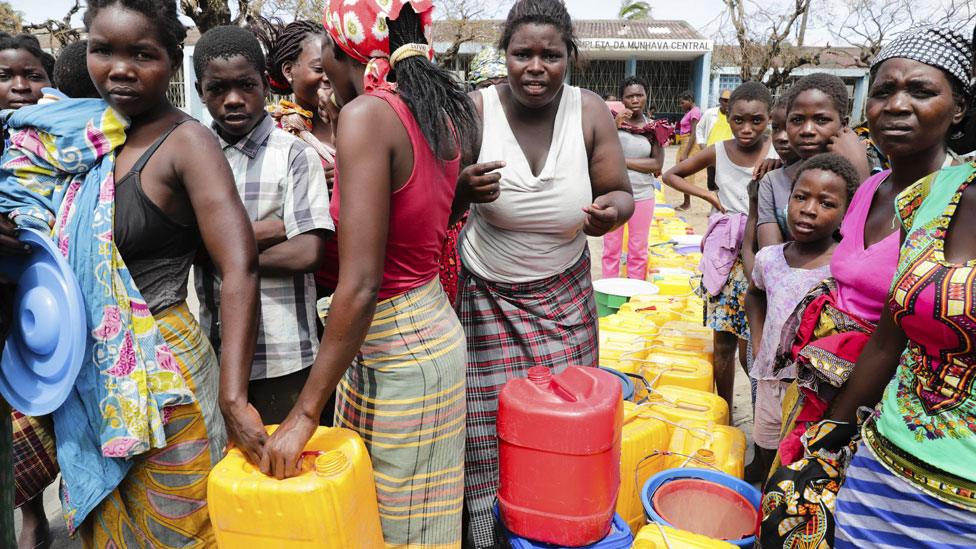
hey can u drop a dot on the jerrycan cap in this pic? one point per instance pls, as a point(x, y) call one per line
point(540, 375)
point(331, 463)
point(705, 455)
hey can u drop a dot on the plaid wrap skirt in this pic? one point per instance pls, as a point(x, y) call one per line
point(510, 328)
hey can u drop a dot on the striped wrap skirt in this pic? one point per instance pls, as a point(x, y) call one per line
point(876, 508)
point(404, 395)
point(511, 328)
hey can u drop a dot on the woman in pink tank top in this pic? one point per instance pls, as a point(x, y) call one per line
point(393, 347)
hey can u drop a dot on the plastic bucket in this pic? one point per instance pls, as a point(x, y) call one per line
point(706, 502)
point(626, 385)
point(611, 293)
point(619, 537)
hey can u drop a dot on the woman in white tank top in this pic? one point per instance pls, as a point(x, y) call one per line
point(734, 161)
point(551, 171)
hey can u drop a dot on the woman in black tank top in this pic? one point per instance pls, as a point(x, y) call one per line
point(174, 190)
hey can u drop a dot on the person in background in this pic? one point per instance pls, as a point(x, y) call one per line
point(784, 151)
point(392, 343)
point(644, 157)
point(858, 329)
point(25, 70)
point(71, 71)
point(724, 288)
point(687, 137)
point(784, 273)
point(714, 127)
point(487, 68)
point(540, 187)
point(294, 67)
point(280, 181)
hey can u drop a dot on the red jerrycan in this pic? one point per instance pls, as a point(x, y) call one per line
point(559, 454)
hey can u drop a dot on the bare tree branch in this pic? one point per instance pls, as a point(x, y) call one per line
point(61, 31)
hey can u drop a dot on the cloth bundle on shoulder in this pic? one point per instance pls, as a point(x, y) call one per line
point(57, 175)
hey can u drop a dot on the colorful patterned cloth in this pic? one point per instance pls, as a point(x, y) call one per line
point(510, 328)
point(451, 262)
point(929, 408)
point(59, 172)
point(405, 397)
point(297, 121)
point(726, 312)
point(487, 64)
point(798, 502)
point(35, 457)
point(163, 500)
point(360, 28)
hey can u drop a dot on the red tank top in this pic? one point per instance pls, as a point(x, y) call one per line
point(419, 211)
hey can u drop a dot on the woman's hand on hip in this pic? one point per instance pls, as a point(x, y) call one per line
point(283, 451)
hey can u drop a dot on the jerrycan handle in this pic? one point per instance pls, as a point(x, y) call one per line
point(542, 376)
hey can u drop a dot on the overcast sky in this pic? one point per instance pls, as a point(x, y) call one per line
point(701, 14)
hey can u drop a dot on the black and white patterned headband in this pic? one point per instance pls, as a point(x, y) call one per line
point(936, 46)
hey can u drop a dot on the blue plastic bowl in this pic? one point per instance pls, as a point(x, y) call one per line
point(626, 385)
point(743, 488)
point(618, 538)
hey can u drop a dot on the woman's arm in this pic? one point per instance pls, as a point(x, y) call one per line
point(652, 164)
point(748, 250)
point(229, 240)
point(769, 234)
point(755, 313)
point(613, 199)
point(874, 369)
point(675, 177)
point(366, 188)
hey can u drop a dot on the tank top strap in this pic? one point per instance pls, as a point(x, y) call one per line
point(141, 163)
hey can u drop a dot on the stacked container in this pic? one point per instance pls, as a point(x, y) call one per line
point(559, 455)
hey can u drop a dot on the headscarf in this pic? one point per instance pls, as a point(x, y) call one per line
point(939, 47)
point(360, 28)
point(488, 64)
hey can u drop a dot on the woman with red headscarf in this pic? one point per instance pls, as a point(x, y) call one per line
point(403, 129)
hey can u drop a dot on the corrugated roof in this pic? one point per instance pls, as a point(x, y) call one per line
point(488, 31)
point(833, 57)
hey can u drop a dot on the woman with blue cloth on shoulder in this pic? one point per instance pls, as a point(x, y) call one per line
point(145, 423)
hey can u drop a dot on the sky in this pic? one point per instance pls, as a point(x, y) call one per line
point(701, 14)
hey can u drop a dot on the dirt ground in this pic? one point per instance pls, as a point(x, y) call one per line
point(697, 217)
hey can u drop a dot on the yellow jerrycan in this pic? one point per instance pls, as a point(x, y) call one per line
point(332, 503)
point(658, 536)
point(667, 369)
point(676, 404)
point(615, 346)
point(659, 309)
point(643, 442)
point(629, 324)
point(707, 445)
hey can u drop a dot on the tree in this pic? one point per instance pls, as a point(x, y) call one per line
point(60, 30)
point(867, 25)
point(11, 20)
point(762, 34)
point(461, 21)
point(634, 10)
point(207, 14)
point(290, 10)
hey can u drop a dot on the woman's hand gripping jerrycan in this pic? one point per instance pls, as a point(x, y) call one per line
point(559, 454)
point(332, 503)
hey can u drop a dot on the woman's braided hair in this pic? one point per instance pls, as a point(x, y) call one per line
point(283, 43)
point(442, 109)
